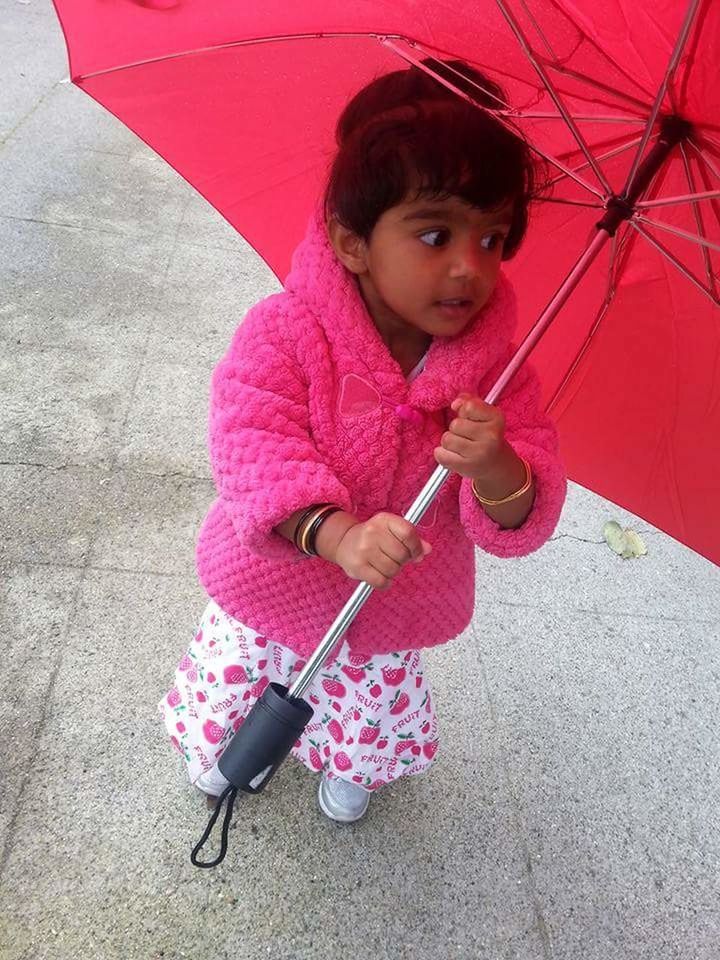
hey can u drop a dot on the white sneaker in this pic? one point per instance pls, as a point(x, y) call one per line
point(341, 800)
point(212, 782)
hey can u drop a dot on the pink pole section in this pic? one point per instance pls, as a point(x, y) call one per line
point(549, 313)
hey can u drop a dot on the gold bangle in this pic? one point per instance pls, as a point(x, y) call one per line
point(513, 496)
point(304, 535)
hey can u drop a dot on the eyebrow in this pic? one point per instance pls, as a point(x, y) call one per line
point(432, 213)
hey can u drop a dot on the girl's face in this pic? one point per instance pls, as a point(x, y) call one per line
point(421, 253)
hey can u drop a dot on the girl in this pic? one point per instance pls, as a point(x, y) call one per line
point(331, 407)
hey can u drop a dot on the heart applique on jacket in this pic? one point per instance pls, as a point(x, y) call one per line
point(357, 397)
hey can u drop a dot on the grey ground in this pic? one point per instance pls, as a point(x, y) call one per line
point(573, 811)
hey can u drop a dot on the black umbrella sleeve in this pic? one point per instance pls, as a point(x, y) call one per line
point(264, 740)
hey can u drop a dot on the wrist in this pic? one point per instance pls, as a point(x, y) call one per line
point(506, 476)
point(332, 532)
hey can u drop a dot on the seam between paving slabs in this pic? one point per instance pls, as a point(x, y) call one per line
point(541, 924)
point(84, 567)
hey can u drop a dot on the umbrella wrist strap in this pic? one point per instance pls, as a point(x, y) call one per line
point(230, 794)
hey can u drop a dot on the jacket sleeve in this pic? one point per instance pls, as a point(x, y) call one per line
point(532, 435)
point(264, 462)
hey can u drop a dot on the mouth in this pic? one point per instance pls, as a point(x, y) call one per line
point(455, 308)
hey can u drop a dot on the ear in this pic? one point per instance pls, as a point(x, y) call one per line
point(350, 249)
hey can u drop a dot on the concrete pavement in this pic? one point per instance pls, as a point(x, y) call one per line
point(573, 810)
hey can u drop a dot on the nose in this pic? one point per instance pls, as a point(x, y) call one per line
point(469, 261)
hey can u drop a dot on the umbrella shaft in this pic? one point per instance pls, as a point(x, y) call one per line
point(352, 607)
point(440, 475)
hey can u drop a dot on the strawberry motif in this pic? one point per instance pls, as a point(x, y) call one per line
point(335, 730)
point(356, 715)
point(343, 761)
point(192, 675)
point(176, 743)
point(262, 664)
point(201, 696)
point(173, 698)
point(315, 758)
point(257, 688)
point(404, 744)
point(299, 665)
point(185, 663)
point(336, 706)
point(430, 749)
point(211, 678)
point(212, 731)
point(358, 659)
point(418, 681)
point(314, 699)
point(260, 642)
point(375, 784)
point(375, 690)
point(238, 723)
point(369, 733)
point(393, 677)
point(400, 703)
point(416, 751)
point(235, 673)
point(358, 778)
point(180, 727)
point(355, 674)
point(425, 728)
point(198, 636)
point(333, 687)
point(382, 743)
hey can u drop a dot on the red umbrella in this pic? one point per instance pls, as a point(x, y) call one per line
point(241, 100)
point(620, 98)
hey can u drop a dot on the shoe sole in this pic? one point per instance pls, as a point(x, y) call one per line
point(335, 817)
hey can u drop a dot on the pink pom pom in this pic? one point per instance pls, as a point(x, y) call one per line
point(410, 414)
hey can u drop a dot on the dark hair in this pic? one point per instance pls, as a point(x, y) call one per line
point(406, 132)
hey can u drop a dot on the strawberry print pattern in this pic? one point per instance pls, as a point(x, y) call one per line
point(374, 717)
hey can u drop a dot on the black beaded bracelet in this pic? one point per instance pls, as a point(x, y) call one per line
point(316, 524)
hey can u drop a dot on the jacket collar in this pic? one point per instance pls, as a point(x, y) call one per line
point(454, 364)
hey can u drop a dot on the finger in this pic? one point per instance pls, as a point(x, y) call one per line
point(476, 409)
point(407, 535)
point(451, 461)
point(396, 551)
point(387, 565)
point(377, 579)
point(463, 446)
point(459, 400)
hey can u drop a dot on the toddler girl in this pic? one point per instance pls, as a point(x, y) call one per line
point(333, 404)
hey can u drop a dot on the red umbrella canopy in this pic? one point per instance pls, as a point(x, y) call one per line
point(242, 100)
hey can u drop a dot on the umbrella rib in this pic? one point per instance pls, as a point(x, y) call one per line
point(450, 86)
point(542, 73)
point(576, 116)
point(701, 153)
point(599, 317)
point(676, 54)
point(603, 156)
point(680, 266)
point(683, 198)
point(318, 35)
point(697, 213)
point(700, 241)
point(606, 88)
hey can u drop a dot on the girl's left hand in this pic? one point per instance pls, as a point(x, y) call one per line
point(474, 442)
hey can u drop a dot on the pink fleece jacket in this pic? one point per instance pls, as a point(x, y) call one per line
point(308, 405)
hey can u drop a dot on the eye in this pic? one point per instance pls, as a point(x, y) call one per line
point(433, 233)
point(491, 241)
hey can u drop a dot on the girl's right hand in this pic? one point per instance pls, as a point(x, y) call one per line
point(375, 551)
